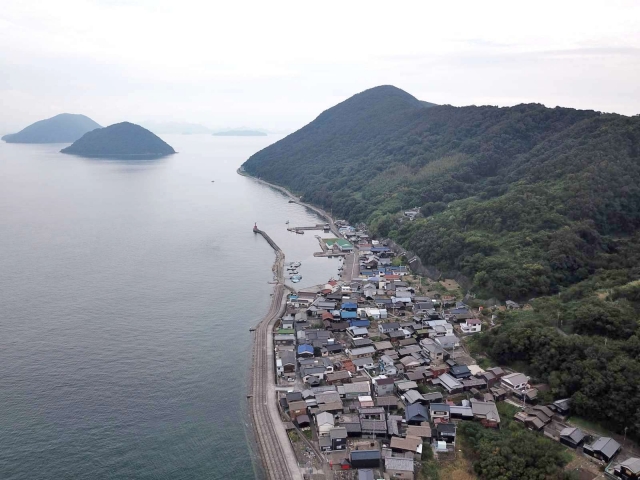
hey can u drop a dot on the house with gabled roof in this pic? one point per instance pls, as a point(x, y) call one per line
point(628, 469)
point(324, 422)
point(572, 437)
point(450, 384)
point(515, 381)
point(399, 467)
point(486, 412)
point(416, 413)
point(604, 448)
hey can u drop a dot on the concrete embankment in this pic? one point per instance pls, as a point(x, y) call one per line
point(276, 453)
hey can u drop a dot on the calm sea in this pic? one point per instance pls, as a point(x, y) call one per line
point(127, 289)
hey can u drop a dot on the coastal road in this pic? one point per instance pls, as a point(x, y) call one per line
point(277, 455)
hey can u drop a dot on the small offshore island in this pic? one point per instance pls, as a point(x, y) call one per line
point(240, 133)
point(121, 139)
point(63, 128)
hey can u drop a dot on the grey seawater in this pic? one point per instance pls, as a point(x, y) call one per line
point(127, 290)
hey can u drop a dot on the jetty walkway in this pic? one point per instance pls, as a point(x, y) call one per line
point(276, 452)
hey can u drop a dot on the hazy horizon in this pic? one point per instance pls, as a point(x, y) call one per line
point(260, 66)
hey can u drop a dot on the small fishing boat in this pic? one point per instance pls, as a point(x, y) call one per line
point(296, 264)
point(295, 278)
point(287, 222)
point(300, 232)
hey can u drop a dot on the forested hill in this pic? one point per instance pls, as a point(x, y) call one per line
point(120, 139)
point(524, 200)
point(63, 128)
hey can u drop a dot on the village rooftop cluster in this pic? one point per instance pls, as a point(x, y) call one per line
point(371, 372)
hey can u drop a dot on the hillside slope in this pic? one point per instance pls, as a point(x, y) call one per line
point(524, 200)
point(63, 128)
point(126, 139)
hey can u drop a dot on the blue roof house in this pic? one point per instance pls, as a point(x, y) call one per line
point(306, 350)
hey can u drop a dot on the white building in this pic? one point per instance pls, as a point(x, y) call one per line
point(471, 325)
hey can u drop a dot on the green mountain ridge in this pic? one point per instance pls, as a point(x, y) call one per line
point(63, 128)
point(524, 200)
point(120, 139)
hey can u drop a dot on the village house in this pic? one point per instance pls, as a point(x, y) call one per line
point(572, 437)
point(383, 386)
point(297, 408)
point(373, 421)
point(511, 305)
point(461, 412)
point(389, 327)
point(628, 469)
point(439, 412)
point(461, 313)
point(515, 381)
point(305, 350)
point(450, 384)
point(471, 325)
point(423, 431)
point(284, 339)
point(324, 423)
point(489, 377)
point(486, 412)
point(413, 362)
point(403, 386)
point(432, 397)
point(354, 390)
point(364, 363)
point(387, 365)
point(288, 360)
point(448, 342)
point(303, 421)
point(604, 448)
point(383, 345)
point(358, 332)
point(460, 372)
point(365, 458)
point(446, 432)
point(562, 406)
point(416, 414)
point(339, 377)
point(406, 444)
point(399, 467)
point(436, 353)
point(361, 342)
point(412, 396)
point(338, 436)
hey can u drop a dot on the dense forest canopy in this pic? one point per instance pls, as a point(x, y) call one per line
point(524, 200)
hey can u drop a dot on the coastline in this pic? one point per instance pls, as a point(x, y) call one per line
point(295, 199)
point(276, 453)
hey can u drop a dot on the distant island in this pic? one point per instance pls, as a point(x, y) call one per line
point(63, 128)
point(241, 133)
point(184, 128)
point(120, 139)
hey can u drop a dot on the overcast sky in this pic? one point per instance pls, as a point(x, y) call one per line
point(277, 65)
